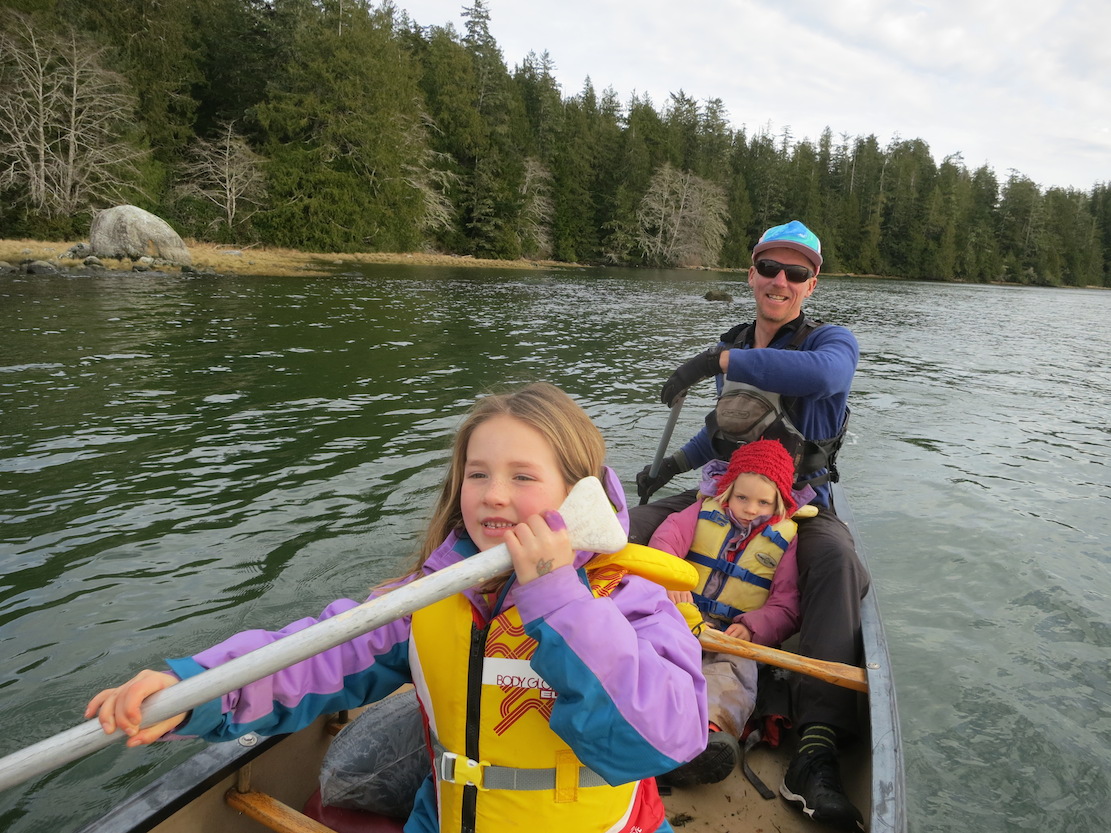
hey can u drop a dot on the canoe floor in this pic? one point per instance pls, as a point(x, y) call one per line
point(289, 773)
point(734, 805)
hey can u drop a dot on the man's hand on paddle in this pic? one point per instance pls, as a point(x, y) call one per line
point(647, 485)
point(120, 708)
point(705, 365)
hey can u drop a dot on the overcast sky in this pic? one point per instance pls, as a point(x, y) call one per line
point(1022, 84)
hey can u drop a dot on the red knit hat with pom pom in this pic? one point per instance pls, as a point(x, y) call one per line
point(766, 457)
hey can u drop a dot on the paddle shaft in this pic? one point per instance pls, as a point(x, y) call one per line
point(191, 693)
point(661, 449)
point(838, 673)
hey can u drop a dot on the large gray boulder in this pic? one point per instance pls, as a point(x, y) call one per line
point(129, 231)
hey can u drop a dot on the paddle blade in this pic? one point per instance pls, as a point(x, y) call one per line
point(590, 518)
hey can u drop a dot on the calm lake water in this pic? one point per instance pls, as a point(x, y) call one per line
point(185, 457)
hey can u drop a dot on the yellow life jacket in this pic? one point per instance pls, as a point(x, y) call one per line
point(497, 763)
point(726, 589)
point(663, 568)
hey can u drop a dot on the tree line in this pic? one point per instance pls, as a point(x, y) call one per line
point(344, 125)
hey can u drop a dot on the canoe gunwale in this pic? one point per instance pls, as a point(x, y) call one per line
point(888, 812)
point(163, 797)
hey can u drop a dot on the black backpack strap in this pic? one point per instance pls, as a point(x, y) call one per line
point(823, 455)
point(738, 335)
point(742, 333)
point(807, 326)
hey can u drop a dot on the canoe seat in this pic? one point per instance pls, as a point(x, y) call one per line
point(343, 820)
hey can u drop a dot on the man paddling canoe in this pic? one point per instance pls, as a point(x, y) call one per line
point(787, 377)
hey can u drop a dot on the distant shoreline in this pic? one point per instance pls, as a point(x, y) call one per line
point(259, 261)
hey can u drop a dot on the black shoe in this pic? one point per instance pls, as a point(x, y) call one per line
point(814, 780)
point(712, 765)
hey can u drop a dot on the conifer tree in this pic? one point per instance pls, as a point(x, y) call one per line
point(343, 130)
point(155, 46)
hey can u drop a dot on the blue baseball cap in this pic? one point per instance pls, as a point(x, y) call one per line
point(792, 235)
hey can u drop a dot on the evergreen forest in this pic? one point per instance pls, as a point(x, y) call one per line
point(346, 126)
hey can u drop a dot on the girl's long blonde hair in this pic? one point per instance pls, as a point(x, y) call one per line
point(577, 442)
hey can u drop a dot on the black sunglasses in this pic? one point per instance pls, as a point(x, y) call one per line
point(795, 274)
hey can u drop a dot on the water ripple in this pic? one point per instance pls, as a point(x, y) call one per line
point(184, 458)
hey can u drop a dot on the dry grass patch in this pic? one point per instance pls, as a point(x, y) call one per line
point(13, 251)
point(262, 260)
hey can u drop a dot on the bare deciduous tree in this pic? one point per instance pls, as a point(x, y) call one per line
point(537, 209)
point(227, 173)
point(428, 175)
point(681, 219)
point(63, 119)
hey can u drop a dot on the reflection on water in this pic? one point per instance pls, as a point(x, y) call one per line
point(185, 457)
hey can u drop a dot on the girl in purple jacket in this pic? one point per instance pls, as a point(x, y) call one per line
point(563, 686)
point(742, 542)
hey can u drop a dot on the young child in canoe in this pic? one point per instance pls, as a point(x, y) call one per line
point(577, 662)
point(742, 542)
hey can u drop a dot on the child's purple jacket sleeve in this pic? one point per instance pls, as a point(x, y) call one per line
point(352, 674)
point(627, 670)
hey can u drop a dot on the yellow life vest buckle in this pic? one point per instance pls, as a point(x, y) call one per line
point(459, 769)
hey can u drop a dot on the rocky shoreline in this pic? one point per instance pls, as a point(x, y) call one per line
point(36, 257)
point(91, 266)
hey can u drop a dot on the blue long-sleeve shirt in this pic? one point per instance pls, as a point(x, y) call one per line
point(818, 375)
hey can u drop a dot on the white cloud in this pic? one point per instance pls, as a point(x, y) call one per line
point(1015, 84)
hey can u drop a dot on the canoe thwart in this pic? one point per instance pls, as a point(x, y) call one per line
point(274, 814)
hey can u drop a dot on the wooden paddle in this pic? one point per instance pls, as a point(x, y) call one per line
point(838, 673)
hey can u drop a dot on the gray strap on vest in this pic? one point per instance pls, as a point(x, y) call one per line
point(506, 777)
